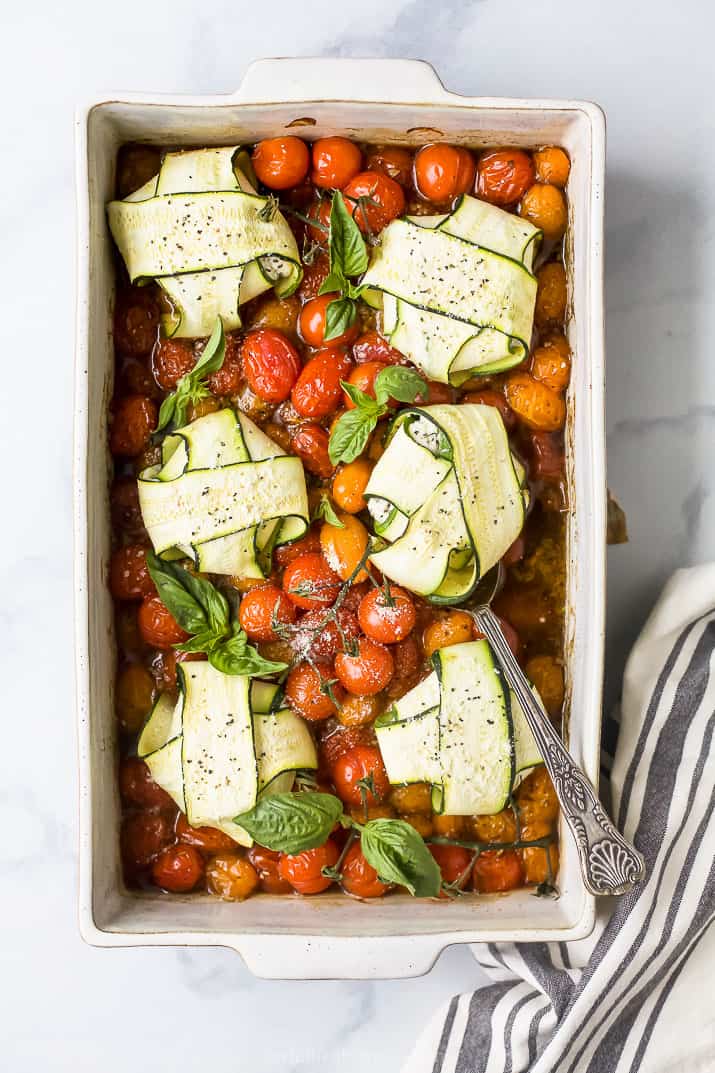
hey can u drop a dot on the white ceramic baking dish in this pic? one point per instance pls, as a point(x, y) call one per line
point(375, 101)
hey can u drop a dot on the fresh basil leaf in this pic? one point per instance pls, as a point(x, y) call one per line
point(335, 281)
point(213, 354)
point(291, 823)
point(200, 642)
point(348, 252)
point(213, 602)
point(326, 510)
point(339, 317)
point(397, 382)
point(398, 855)
point(176, 593)
point(349, 437)
point(362, 400)
point(236, 656)
point(166, 413)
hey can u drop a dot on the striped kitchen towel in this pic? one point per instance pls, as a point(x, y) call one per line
point(637, 996)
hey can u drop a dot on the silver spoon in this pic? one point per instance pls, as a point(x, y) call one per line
point(609, 863)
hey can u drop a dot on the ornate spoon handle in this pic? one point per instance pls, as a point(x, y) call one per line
point(609, 863)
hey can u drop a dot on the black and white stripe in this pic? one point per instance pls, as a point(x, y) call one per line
point(544, 1013)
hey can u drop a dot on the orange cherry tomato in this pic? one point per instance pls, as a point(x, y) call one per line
point(134, 421)
point(144, 835)
point(535, 404)
point(453, 861)
point(551, 295)
point(317, 390)
point(552, 165)
point(367, 672)
point(335, 162)
point(371, 346)
point(137, 787)
point(304, 871)
point(551, 365)
point(393, 161)
point(361, 762)
point(231, 877)
point(448, 628)
point(387, 618)
point(544, 206)
point(271, 364)
point(172, 359)
point(363, 377)
point(305, 694)
point(487, 396)
point(281, 163)
point(208, 839)
point(442, 172)
point(133, 697)
point(311, 444)
point(310, 583)
point(497, 870)
point(360, 878)
point(157, 625)
point(260, 608)
point(349, 485)
point(504, 175)
point(374, 200)
point(136, 321)
point(265, 861)
point(286, 553)
point(313, 325)
point(343, 548)
point(129, 577)
point(178, 869)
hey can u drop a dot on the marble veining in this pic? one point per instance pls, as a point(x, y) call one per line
point(63, 1005)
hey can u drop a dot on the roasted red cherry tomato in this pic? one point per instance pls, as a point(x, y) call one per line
point(227, 380)
point(453, 862)
point(137, 787)
point(144, 835)
point(261, 608)
point(286, 553)
point(304, 691)
point(136, 322)
point(393, 161)
point(362, 762)
point(134, 421)
point(157, 625)
point(442, 172)
point(504, 175)
point(387, 616)
point(172, 359)
point(312, 323)
point(374, 200)
point(363, 377)
point(367, 672)
point(548, 462)
point(281, 162)
point(126, 512)
point(497, 870)
point(178, 869)
point(317, 391)
point(304, 871)
point(335, 162)
point(311, 443)
point(129, 577)
point(371, 346)
point(309, 582)
point(208, 839)
point(265, 861)
point(487, 396)
point(359, 877)
point(271, 364)
point(321, 641)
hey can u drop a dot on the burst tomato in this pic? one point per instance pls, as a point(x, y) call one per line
point(304, 871)
point(178, 869)
point(371, 346)
point(317, 391)
point(157, 625)
point(360, 878)
point(374, 199)
point(309, 582)
point(129, 577)
point(134, 421)
point(137, 787)
point(504, 175)
point(311, 444)
point(497, 870)
point(354, 769)
point(208, 839)
point(453, 861)
point(393, 161)
point(305, 691)
point(261, 608)
point(271, 364)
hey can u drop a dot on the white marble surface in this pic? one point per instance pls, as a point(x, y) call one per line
point(62, 1005)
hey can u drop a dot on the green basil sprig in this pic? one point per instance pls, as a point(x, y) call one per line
point(353, 429)
point(203, 611)
point(348, 257)
point(326, 511)
point(191, 387)
point(291, 823)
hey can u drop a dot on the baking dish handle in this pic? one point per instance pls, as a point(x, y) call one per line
point(322, 957)
point(395, 81)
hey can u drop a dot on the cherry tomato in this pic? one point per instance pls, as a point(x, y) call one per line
point(126, 512)
point(371, 347)
point(260, 608)
point(363, 377)
point(319, 231)
point(310, 583)
point(552, 165)
point(534, 403)
point(157, 625)
point(358, 711)
point(548, 461)
point(304, 870)
point(172, 359)
point(416, 797)
point(134, 378)
point(349, 485)
point(369, 671)
point(178, 869)
point(227, 380)
point(265, 861)
point(208, 839)
point(453, 861)
point(305, 695)
point(360, 878)
point(551, 295)
point(164, 666)
point(548, 677)
point(349, 769)
point(281, 162)
point(341, 740)
point(231, 877)
point(545, 207)
point(407, 657)
point(393, 161)
point(129, 577)
point(335, 162)
point(317, 390)
point(343, 548)
point(539, 863)
point(504, 175)
point(311, 444)
point(497, 870)
point(286, 553)
point(271, 364)
point(442, 172)
point(137, 787)
point(136, 322)
point(487, 396)
point(133, 697)
point(143, 837)
point(387, 618)
point(436, 393)
point(374, 200)
point(312, 323)
point(315, 274)
point(536, 798)
point(321, 640)
point(133, 423)
point(551, 363)
point(448, 628)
